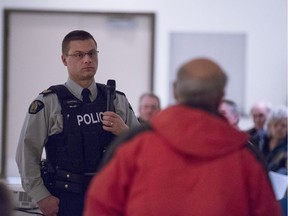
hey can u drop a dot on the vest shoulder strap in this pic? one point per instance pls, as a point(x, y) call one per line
point(102, 89)
point(62, 92)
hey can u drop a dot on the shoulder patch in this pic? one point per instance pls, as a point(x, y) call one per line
point(36, 106)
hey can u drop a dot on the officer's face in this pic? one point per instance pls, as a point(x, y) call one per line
point(81, 60)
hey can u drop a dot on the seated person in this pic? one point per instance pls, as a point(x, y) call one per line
point(273, 144)
point(259, 113)
point(6, 203)
point(229, 110)
point(149, 105)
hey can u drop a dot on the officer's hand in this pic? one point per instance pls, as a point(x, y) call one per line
point(113, 123)
point(49, 206)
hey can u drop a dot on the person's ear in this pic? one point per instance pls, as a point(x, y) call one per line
point(220, 97)
point(64, 60)
point(176, 96)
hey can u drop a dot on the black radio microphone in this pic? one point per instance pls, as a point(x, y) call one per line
point(111, 86)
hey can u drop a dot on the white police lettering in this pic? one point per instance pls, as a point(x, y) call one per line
point(91, 118)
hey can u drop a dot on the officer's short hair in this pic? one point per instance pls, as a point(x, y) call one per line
point(75, 35)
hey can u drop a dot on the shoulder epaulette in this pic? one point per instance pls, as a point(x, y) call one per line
point(47, 92)
point(52, 89)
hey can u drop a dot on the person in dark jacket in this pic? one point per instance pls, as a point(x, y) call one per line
point(273, 144)
point(259, 113)
point(6, 201)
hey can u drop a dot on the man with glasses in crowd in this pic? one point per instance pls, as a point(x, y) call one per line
point(72, 123)
point(149, 106)
point(259, 113)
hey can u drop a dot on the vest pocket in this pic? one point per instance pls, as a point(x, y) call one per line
point(75, 155)
point(93, 150)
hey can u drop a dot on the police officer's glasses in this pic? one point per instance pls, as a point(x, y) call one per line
point(80, 55)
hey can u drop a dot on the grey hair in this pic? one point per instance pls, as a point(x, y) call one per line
point(150, 94)
point(278, 113)
point(233, 106)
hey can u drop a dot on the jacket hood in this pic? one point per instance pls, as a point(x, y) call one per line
point(197, 133)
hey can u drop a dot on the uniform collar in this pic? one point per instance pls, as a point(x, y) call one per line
point(76, 89)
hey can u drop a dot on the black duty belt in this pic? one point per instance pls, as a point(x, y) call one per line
point(63, 180)
point(73, 177)
point(71, 182)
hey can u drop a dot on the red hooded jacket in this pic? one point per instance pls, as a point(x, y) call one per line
point(191, 163)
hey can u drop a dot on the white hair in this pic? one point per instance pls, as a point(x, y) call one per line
point(278, 113)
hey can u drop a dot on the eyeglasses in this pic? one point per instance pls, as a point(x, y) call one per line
point(80, 55)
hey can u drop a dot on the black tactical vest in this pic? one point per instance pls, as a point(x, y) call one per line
point(81, 145)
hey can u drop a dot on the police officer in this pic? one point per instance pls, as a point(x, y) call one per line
point(72, 123)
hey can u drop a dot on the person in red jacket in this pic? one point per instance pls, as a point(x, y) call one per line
point(188, 161)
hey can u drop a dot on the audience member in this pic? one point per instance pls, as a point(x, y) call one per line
point(72, 123)
point(6, 203)
point(283, 204)
point(187, 161)
point(259, 113)
point(229, 110)
point(273, 144)
point(149, 105)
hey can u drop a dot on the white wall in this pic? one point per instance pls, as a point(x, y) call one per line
point(263, 21)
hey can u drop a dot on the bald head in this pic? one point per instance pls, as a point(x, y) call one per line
point(200, 80)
